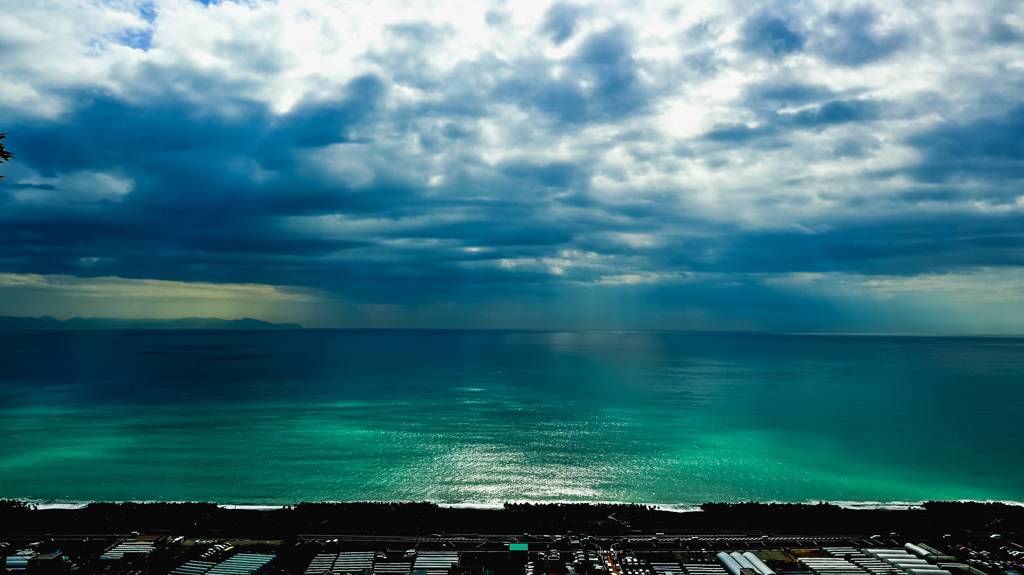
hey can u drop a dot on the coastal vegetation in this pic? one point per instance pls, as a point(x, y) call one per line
point(5, 155)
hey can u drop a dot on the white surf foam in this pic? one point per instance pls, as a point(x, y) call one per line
point(495, 504)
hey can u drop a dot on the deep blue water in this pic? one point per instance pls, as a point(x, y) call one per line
point(482, 417)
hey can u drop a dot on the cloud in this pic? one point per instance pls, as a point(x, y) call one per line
point(990, 148)
point(771, 35)
point(787, 94)
point(836, 112)
point(600, 81)
point(331, 123)
point(515, 162)
point(857, 37)
point(560, 21)
point(76, 187)
point(857, 147)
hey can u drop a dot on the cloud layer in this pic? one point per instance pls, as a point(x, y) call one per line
point(692, 159)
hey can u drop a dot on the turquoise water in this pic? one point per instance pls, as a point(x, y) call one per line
point(483, 417)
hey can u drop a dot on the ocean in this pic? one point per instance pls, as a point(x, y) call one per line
point(472, 418)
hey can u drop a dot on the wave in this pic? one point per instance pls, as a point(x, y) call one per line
point(78, 504)
point(496, 505)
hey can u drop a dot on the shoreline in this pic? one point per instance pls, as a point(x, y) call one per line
point(424, 518)
point(68, 504)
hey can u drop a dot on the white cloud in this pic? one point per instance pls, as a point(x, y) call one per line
point(84, 186)
point(114, 287)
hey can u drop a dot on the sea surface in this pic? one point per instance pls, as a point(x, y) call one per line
point(484, 417)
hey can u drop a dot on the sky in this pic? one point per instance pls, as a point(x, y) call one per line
point(730, 165)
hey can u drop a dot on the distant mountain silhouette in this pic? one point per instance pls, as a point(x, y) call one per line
point(47, 322)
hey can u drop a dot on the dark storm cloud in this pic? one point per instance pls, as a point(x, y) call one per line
point(558, 175)
point(207, 223)
point(987, 149)
point(770, 131)
point(604, 62)
point(328, 123)
point(1003, 33)
point(836, 112)
point(771, 35)
point(194, 216)
point(853, 38)
point(889, 246)
point(741, 133)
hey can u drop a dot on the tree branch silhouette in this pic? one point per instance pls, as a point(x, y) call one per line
point(4, 154)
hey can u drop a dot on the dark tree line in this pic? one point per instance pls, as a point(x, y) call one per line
point(601, 520)
point(4, 154)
